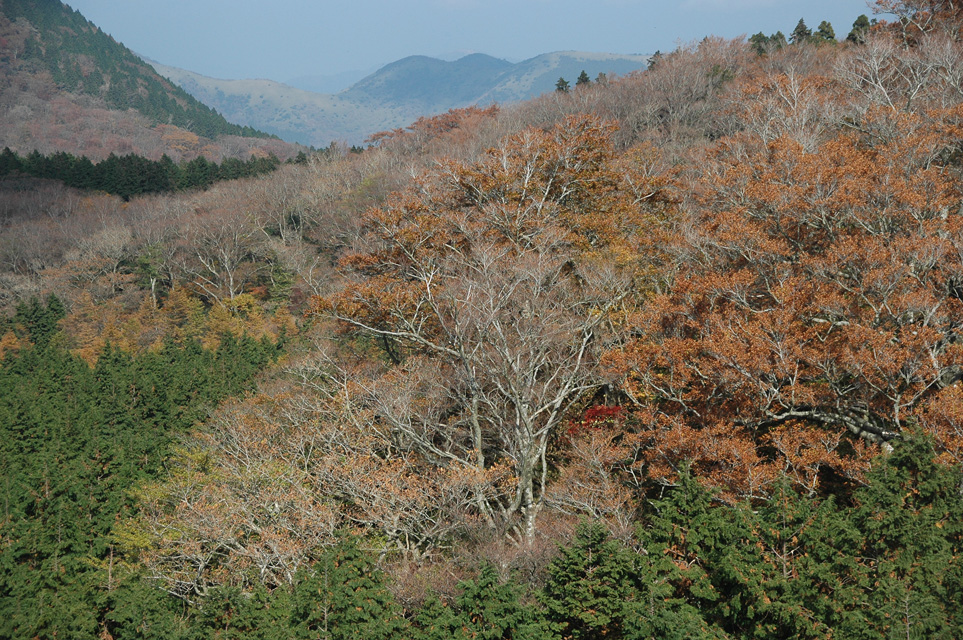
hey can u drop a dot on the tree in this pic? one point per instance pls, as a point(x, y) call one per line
point(344, 596)
point(857, 35)
point(583, 79)
point(489, 287)
point(825, 32)
point(801, 34)
point(590, 591)
point(562, 85)
point(910, 517)
point(238, 508)
point(487, 609)
point(917, 17)
point(803, 320)
point(759, 43)
point(217, 251)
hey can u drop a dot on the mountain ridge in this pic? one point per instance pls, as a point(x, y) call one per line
point(395, 95)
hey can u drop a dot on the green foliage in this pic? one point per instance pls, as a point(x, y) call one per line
point(486, 609)
point(759, 43)
point(583, 79)
point(910, 519)
point(344, 596)
point(135, 610)
point(73, 442)
point(801, 34)
point(132, 175)
point(40, 321)
point(230, 614)
point(562, 85)
point(589, 586)
point(857, 34)
point(825, 32)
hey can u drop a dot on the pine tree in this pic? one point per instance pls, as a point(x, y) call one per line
point(343, 596)
point(825, 32)
point(589, 585)
point(910, 520)
point(491, 610)
point(857, 34)
point(801, 34)
point(759, 43)
point(9, 162)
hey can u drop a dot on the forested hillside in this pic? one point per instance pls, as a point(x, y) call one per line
point(65, 85)
point(673, 355)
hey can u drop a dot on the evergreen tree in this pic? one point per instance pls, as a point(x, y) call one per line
point(491, 610)
point(230, 614)
point(136, 610)
point(759, 43)
point(436, 620)
point(801, 34)
point(589, 586)
point(9, 162)
point(825, 32)
point(654, 60)
point(343, 596)
point(910, 520)
point(486, 609)
point(684, 537)
point(583, 79)
point(857, 34)
point(562, 85)
point(41, 321)
point(73, 441)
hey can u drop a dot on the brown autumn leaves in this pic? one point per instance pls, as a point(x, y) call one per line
point(766, 282)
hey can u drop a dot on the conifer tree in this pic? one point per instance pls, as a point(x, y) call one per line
point(344, 596)
point(910, 519)
point(825, 32)
point(801, 34)
point(857, 34)
point(589, 586)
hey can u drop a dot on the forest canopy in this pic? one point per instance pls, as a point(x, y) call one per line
point(675, 354)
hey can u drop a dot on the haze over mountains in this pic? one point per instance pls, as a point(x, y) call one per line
point(66, 85)
point(395, 95)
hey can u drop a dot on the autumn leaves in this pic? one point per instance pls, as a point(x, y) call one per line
point(795, 316)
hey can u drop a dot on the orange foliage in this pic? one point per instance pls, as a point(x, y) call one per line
point(814, 298)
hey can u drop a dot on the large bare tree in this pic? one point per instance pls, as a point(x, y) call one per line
point(492, 288)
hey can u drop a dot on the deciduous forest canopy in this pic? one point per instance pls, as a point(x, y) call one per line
point(670, 355)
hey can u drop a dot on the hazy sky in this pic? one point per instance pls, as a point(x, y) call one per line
point(284, 39)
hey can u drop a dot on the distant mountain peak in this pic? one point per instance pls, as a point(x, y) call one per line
point(396, 94)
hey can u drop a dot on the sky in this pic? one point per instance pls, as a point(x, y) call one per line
point(285, 39)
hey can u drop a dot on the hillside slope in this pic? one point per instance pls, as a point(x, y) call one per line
point(65, 85)
point(292, 114)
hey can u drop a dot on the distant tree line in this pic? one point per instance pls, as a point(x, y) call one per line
point(802, 34)
point(132, 175)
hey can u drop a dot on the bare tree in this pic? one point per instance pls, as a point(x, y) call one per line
point(491, 287)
